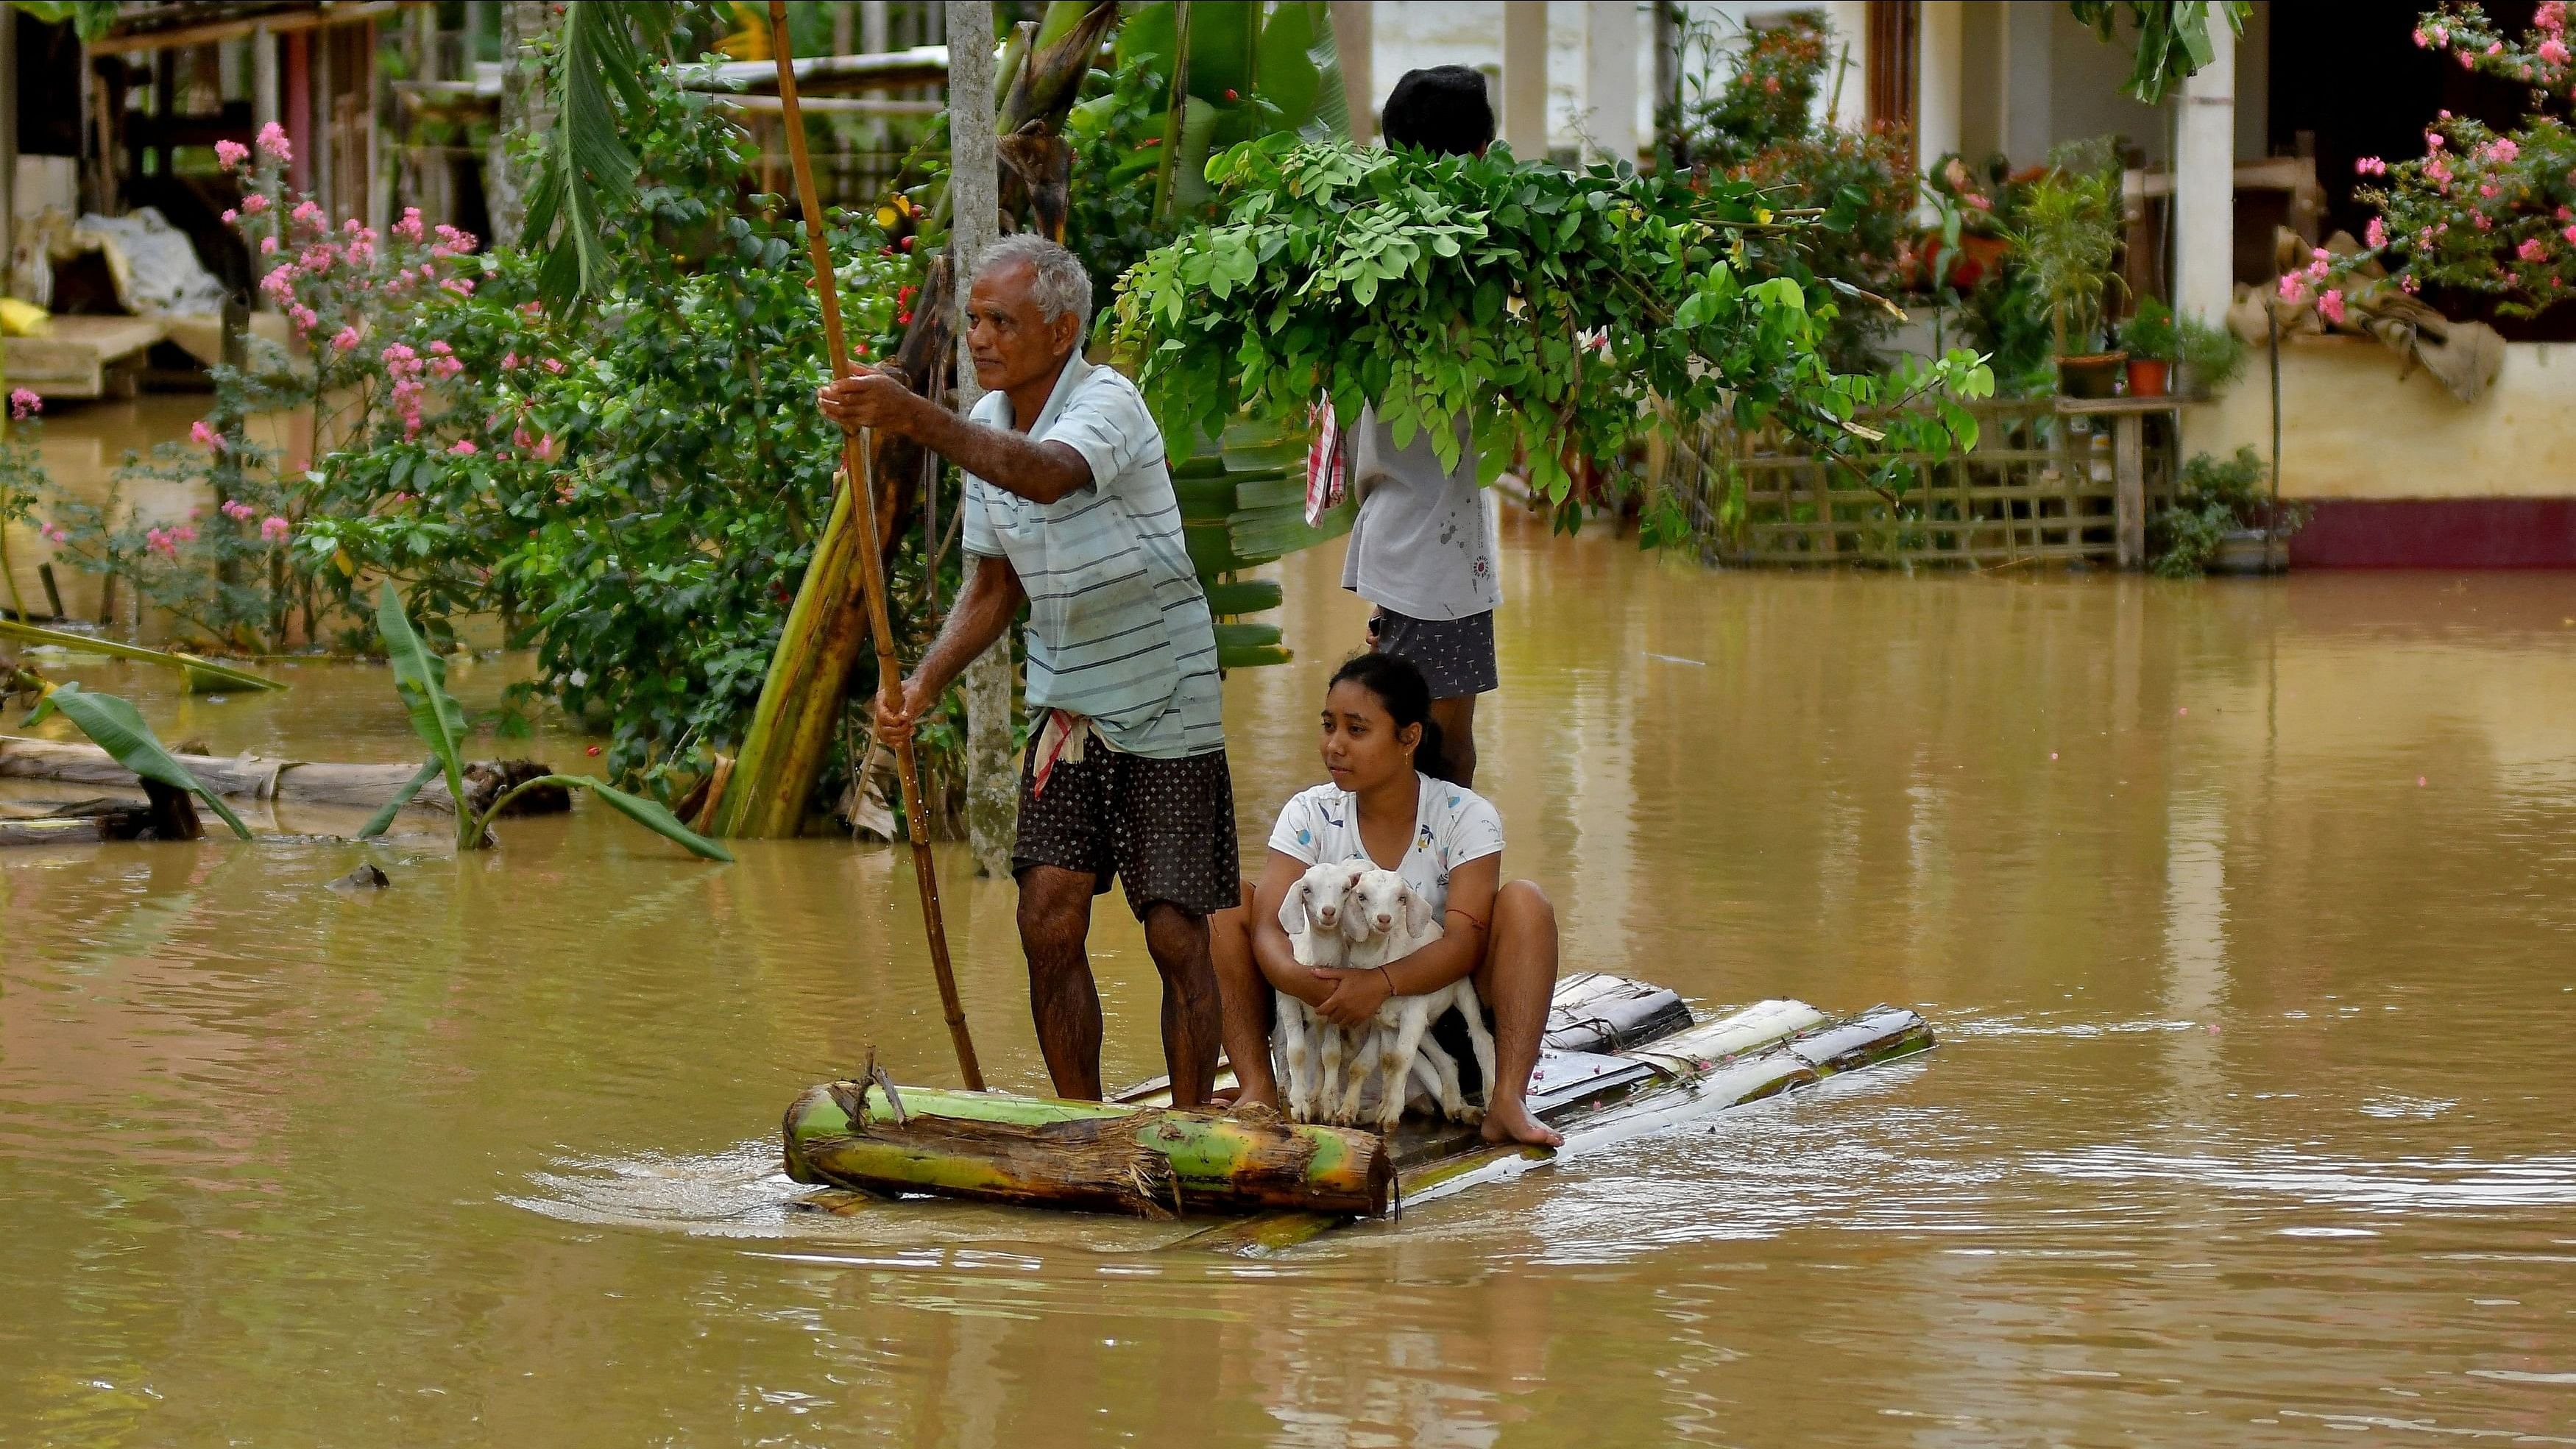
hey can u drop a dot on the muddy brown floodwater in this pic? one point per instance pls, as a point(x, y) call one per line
point(2243, 910)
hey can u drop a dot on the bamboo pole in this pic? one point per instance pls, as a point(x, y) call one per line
point(859, 492)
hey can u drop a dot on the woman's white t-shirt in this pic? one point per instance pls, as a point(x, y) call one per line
point(1452, 825)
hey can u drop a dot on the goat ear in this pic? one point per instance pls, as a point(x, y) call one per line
point(1417, 912)
point(1292, 911)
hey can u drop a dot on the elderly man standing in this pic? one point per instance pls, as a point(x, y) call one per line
point(1069, 509)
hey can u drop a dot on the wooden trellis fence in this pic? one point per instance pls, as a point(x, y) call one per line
point(2037, 487)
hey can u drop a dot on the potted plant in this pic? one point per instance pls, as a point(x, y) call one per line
point(2069, 231)
point(2153, 344)
point(2222, 520)
point(2210, 357)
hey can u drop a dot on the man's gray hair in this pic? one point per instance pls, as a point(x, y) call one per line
point(1061, 284)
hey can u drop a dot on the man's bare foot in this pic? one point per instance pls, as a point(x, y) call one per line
point(1510, 1121)
point(1249, 1103)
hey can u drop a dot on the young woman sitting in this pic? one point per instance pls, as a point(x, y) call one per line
point(1390, 803)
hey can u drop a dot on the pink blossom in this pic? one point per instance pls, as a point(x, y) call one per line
point(461, 286)
point(273, 528)
point(279, 284)
point(519, 437)
point(2467, 61)
point(306, 213)
point(2495, 47)
point(268, 246)
point(24, 404)
point(159, 541)
point(345, 339)
point(2371, 166)
point(546, 447)
point(2484, 222)
point(509, 360)
point(229, 154)
point(304, 318)
point(2487, 189)
point(2294, 289)
point(238, 511)
point(53, 532)
point(185, 533)
point(205, 437)
point(2554, 51)
point(2570, 234)
point(465, 448)
point(231, 217)
point(554, 366)
point(2552, 15)
point(2433, 141)
point(2376, 234)
point(255, 203)
point(2503, 151)
point(409, 228)
point(2533, 249)
point(2331, 304)
point(438, 348)
point(272, 143)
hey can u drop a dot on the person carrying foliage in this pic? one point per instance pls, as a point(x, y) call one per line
point(1069, 508)
point(1422, 549)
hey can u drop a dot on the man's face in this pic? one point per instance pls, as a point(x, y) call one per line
point(1008, 333)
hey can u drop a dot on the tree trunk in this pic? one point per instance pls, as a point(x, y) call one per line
point(524, 112)
point(992, 782)
point(1099, 1157)
point(249, 777)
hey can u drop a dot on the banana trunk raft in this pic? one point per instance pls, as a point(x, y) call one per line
point(1622, 1058)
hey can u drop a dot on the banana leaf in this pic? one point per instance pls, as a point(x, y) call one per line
point(204, 675)
point(647, 813)
point(115, 726)
point(383, 819)
point(1243, 596)
point(420, 677)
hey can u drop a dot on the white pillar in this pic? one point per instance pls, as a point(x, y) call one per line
point(1611, 36)
point(2205, 184)
point(1524, 117)
point(1354, 44)
point(1936, 80)
point(2027, 126)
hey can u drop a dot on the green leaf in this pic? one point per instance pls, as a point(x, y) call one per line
point(114, 726)
point(420, 677)
point(383, 819)
point(647, 813)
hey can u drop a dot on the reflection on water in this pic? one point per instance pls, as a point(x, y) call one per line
point(2247, 1128)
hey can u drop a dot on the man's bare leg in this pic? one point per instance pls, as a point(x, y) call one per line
point(1192, 1022)
point(1457, 721)
point(1245, 997)
point(1517, 981)
point(1055, 920)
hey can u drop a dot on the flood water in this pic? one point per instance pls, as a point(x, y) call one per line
point(2243, 911)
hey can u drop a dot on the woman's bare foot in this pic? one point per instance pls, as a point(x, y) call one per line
point(1508, 1120)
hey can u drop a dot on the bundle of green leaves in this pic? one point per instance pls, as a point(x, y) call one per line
point(1550, 308)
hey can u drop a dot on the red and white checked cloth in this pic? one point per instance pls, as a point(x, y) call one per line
point(1324, 481)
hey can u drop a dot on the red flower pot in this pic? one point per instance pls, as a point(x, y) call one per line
point(2147, 376)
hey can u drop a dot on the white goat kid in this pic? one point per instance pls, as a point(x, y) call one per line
point(1388, 921)
point(1310, 1048)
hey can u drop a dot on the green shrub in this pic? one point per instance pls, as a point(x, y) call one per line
point(2211, 500)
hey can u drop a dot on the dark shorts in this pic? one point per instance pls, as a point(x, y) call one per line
point(1456, 656)
point(1164, 828)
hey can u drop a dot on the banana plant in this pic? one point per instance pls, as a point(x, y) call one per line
point(420, 677)
point(116, 727)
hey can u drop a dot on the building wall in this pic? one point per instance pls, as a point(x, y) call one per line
point(2402, 474)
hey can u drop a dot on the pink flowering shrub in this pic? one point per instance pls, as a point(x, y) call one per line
point(2478, 211)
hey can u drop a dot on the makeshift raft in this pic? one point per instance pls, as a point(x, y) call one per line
point(1622, 1058)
